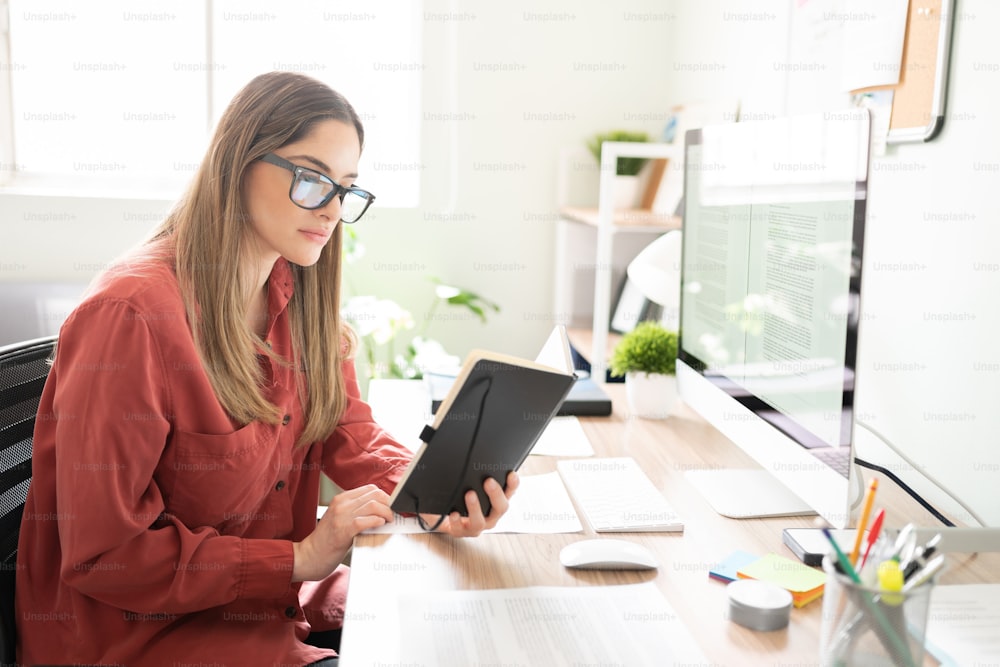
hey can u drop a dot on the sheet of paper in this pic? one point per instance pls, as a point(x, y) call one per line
point(836, 46)
point(564, 436)
point(401, 407)
point(541, 505)
point(566, 625)
point(873, 42)
point(962, 624)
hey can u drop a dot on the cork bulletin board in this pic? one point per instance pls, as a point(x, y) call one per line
point(918, 102)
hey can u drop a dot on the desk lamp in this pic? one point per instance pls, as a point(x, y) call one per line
point(656, 272)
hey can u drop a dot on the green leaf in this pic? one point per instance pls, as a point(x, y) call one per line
point(627, 166)
point(649, 348)
point(475, 303)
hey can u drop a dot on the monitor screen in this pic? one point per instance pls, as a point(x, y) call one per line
point(774, 215)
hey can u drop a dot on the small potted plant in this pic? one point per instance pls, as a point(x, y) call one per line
point(647, 357)
point(628, 168)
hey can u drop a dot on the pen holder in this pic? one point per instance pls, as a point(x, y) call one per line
point(868, 626)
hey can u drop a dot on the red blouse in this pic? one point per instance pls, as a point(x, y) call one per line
point(159, 532)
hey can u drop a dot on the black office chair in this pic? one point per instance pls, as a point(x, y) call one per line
point(23, 369)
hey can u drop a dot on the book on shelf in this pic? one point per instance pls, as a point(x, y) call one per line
point(495, 410)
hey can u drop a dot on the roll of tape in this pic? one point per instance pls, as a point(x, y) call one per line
point(759, 605)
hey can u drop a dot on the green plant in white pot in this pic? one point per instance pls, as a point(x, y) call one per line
point(647, 358)
point(627, 168)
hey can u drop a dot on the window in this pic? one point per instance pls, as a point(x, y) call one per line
point(120, 93)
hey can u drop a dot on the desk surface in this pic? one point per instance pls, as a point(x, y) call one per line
point(384, 566)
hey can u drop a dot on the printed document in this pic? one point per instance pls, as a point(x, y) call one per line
point(541, 505)
point(962, 624)
point(546, 625)
point(564, 436)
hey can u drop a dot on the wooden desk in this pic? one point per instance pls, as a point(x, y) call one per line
point(384, 566)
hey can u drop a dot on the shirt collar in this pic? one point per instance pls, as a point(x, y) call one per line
point(281, 286)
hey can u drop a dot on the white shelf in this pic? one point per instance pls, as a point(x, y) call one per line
point(608, 224)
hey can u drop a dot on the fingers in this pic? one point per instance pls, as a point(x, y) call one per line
point(349, 513)
point(369, 491)
point(363, 523)
point(513, 481)
point(365, 501)
point(352, 512)
point(476, 522)
point(499, 500)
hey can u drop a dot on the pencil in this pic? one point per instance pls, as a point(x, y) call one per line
point(863, 521)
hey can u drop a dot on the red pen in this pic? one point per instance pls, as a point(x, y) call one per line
point(873, 535)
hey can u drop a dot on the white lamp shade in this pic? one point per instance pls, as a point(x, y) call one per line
point(656, 272)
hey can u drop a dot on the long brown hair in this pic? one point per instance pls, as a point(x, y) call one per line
point(208, 230)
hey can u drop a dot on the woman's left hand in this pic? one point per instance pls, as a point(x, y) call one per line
point(457, 525)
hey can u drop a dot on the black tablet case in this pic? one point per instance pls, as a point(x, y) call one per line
point(585, 399)
point(499, 412)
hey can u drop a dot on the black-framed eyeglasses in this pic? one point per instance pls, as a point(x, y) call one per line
point(311, 189)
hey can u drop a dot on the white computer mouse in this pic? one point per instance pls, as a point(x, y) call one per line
point(607, 554)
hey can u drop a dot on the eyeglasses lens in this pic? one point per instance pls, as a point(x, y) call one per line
point(310, 189)
point(353, 206)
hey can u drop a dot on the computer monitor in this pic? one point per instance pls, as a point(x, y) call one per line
point(774, 217)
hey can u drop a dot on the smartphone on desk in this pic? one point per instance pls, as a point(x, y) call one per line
point(810, 544)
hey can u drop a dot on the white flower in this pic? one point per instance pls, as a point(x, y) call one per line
point(431, 356)
point(445, 292)
point(381, 319)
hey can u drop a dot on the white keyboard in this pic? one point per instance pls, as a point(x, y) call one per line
point(616, 496)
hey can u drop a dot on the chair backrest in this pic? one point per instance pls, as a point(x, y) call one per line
point(23, 370)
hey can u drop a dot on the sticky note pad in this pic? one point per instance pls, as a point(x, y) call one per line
point(803, 582)
point(727, 569)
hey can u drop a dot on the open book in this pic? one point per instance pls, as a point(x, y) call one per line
point(496, 409)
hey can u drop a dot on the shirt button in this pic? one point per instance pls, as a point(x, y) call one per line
point(285, 420)
point(280, 485)
point(267, 344)
point(290, 612)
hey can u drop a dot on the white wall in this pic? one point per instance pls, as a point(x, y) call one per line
point(69, 239)
point(507, 86)
point(929, 358)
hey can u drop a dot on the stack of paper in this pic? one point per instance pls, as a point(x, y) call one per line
point(803, 582)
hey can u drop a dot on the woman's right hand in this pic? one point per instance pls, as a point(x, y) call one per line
point(350, 513)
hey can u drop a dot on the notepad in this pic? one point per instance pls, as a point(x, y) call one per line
point(803, 582)
point(493, 414)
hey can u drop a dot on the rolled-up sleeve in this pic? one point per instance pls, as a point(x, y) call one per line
point(360, 451)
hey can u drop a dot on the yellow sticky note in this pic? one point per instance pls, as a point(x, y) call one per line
point(803, 582)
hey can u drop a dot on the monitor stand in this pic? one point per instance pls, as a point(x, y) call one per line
point(746, 494)
point(755, 494)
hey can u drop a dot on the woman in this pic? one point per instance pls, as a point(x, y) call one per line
point(196, 396)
